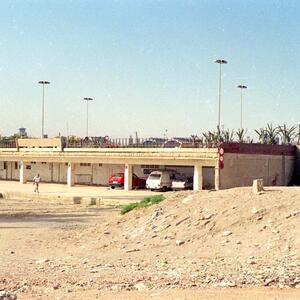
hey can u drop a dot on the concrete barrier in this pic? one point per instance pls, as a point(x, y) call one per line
point(257, 186)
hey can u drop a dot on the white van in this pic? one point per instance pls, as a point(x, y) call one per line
point(160, 180)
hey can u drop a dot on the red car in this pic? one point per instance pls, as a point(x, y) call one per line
point(117, 180)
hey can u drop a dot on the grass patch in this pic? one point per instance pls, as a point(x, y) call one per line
point(147, 201)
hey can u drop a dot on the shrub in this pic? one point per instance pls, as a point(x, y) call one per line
point(147, 201)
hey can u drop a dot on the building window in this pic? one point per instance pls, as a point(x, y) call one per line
point(28, 167)
point(100, 165)
point(33, 162)
point(85, 165)
point(5, 165)
point(44, 163)
point(16, 165)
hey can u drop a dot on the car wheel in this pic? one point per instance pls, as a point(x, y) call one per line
point(164, 189)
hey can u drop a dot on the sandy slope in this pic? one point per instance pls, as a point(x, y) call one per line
point(221, 239)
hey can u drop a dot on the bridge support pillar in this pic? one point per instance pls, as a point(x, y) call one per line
point(22, 173)
point(128, 177)
point(198, 177)
point(71, 174)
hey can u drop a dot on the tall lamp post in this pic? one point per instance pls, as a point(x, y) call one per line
point(43, 106)
point(220, 62)
point(87, 114)
point(241, 87)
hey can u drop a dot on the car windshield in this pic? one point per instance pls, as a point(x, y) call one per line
point(154, 176)
point(180, 178)
point(119, 175)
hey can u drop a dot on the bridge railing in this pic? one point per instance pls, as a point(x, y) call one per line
point(134, 143)
point(106, 142)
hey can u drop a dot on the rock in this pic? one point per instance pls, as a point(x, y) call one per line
point(293, 264)
point(251, 262)
point(225, 242)
point(254, 210)
point(268, 281)
point(206, 217)
point(238, 242)
point(42, 261)
point(155, 215)
point(182, 220)
point(140, 286)
point(106, 232)
point(225, 284)
point(7, 295)
point(292, 214)
point(56, 286)
point(179, 242)
point(132, 250)
point(227, 233)
point(188, 199)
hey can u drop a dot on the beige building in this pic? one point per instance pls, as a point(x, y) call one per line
point(229, 165)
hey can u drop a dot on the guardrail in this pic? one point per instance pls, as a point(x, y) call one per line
point(139, 143)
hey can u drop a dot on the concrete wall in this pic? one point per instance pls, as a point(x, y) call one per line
point(242, 169)
point(208, 174)
point(40, 143)
point(296, 178)
point(9, 170)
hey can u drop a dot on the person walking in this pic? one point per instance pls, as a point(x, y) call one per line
point(36, 181)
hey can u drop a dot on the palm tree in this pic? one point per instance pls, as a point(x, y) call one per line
point(287, 134)
point(196, 140)
point(272, 134)
point(227, 135)
point(262, 135)
point(241, 135)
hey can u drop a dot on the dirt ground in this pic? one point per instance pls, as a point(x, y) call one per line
point(194, 245)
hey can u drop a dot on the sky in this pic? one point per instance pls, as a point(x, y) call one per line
point(148, 65)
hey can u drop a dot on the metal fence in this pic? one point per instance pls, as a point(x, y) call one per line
point(133, 143)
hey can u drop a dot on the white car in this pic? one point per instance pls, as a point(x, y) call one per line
point(160, 180)
point(182, 183)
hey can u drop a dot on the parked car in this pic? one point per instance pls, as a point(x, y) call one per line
point(172, 144)
point(117, 180)
point(182, 182)
point(160, 180)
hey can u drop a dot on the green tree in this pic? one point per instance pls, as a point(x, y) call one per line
point(287, 135)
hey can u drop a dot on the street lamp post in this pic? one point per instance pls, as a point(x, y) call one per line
point(43, 105)
point(241, 87)
point(220, 62)
point(87, 114)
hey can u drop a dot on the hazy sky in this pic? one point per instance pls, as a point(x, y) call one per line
point(148, 65)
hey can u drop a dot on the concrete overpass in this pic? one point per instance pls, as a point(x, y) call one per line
point(228, 165)
point(50, 151)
